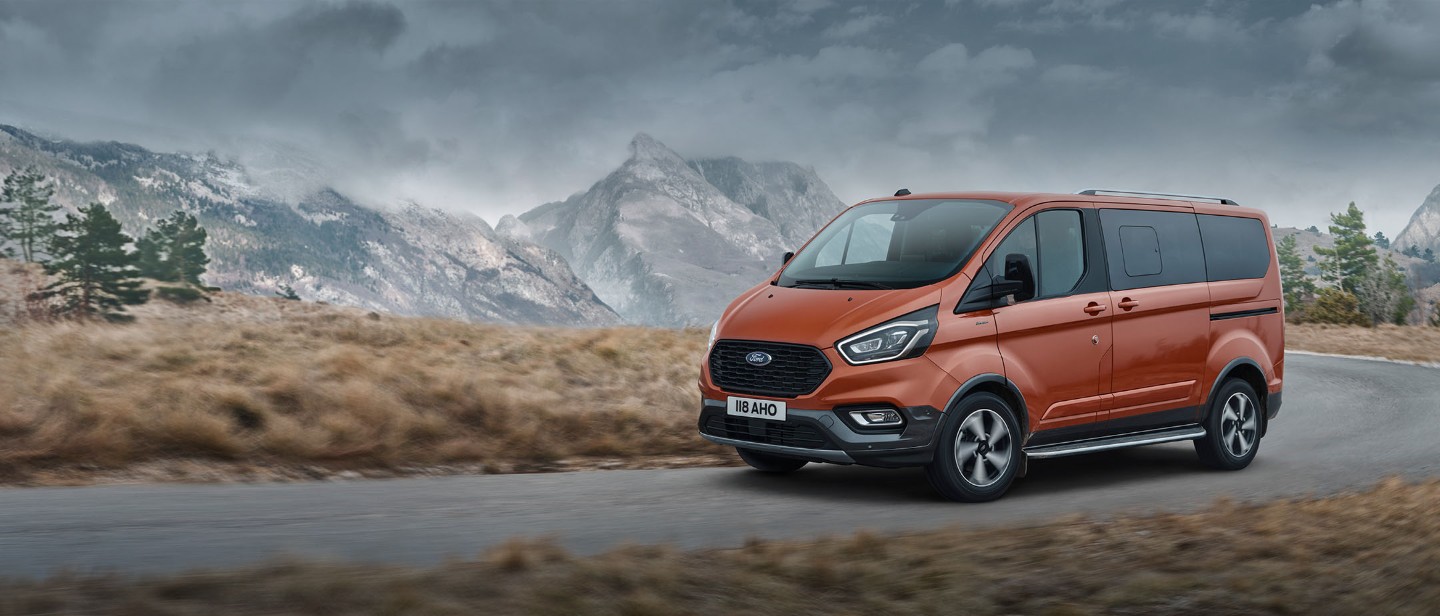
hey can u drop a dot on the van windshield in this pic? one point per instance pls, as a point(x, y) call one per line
point(894, 244)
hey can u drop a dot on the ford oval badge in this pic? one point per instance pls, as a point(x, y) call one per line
point(758, 358)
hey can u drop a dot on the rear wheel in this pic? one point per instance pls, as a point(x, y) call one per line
point(979, 451)
point(768, 463)
point(1232, 429)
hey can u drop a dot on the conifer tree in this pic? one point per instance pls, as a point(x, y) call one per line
point(1353, 254)
point(1298, 287)
point(1381, 240)
point(96, 274)
point(28, 216)
point(174, 250)
point(1429, 255)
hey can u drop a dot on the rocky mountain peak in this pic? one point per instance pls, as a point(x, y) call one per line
point(1423, 230)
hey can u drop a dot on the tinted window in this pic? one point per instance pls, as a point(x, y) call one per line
point(1062, 251)
point(1148, 248)
point(1141, 248)
point(902, 244)
point(1235, 248)
point(1054, 242)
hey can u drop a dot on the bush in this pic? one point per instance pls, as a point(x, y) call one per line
point(180, 295)
point(1337, 307)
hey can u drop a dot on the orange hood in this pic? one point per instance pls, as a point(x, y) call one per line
point(816, 316)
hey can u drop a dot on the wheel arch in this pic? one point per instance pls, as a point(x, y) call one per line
point(1000, 386)
point(1248, 370)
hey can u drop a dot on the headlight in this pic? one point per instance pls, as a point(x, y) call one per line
point(713, 330)
point(901, 338)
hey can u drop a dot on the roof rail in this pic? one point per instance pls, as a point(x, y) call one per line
point(1131, 193)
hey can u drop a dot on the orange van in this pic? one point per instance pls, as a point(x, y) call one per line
point(969, 332)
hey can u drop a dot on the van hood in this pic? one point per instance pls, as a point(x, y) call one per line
point(815, 316)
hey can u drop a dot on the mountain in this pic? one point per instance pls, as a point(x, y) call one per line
point(408, 260)
point(668, 241)
point(1423, 230)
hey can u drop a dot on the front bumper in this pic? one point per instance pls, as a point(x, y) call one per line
point(824, 436)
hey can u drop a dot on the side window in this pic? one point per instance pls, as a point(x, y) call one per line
point(1147, 248)
point(1235, 247)
point(1054, 241)
point(1062, 251)
point(867, 239)
point(1141, 249)
point(1020, 241)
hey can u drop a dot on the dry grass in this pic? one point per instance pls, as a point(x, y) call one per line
point(1390, 341)
point(1375, 552)
point(264, 381)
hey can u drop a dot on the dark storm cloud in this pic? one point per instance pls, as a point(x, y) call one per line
point(497, 106)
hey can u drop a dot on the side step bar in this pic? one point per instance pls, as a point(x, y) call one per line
point(1181, 433)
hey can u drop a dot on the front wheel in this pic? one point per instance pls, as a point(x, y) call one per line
point(979, 451)
point(1232, 430)
point(768, 463)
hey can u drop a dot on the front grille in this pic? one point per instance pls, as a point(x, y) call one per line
point(789, 434)
point(794, 369)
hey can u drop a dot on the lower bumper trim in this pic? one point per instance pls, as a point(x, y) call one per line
point(829, 455)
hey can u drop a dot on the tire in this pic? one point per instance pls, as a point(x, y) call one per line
point(1232, 427)
point(767, 463)
point(978, 455)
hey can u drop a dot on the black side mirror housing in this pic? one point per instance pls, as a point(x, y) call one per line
point(788, 256)
point(1018, 281)
point(1017, 268)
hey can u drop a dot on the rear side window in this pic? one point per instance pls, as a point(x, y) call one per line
point(1149, 249)
point(1235, 247)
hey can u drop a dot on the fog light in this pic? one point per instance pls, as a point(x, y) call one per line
point(878, 418)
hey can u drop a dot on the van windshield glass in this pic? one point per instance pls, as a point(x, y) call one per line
point(894, 244)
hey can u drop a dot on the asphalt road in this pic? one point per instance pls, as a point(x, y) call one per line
point(1345, 424)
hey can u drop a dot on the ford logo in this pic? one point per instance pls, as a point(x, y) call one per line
point(758, 358)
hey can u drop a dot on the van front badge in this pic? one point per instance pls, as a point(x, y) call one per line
point(758, 358)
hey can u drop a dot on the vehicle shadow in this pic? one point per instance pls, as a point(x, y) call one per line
point(824, 482)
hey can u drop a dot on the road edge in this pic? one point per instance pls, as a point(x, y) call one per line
point(1407, 362)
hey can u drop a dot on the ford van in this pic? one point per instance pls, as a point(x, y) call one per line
point(968, 333)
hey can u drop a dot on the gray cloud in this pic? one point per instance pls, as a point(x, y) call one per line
point(497, 106)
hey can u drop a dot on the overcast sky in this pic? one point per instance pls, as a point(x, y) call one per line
point(495, 107)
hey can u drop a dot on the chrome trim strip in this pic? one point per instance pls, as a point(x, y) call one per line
point(1118, 442)
point(828, 455)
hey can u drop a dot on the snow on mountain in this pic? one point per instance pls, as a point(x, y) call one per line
point(409, 260)
point(666, 241)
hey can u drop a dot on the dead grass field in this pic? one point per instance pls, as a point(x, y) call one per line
point(1389, 341)
point(261, 383)
point(1372, 552)
point(253, 388)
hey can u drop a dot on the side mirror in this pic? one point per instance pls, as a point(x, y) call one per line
point(1017, 269)
point(786, 259)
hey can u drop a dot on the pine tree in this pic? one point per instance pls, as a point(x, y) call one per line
point(29, 221)
point(1353, 253)
point(1298, 286)
point(1411, 251)
point(96, 273)
point(287, 292)
point(1429, 255)
point(1381, 240)
point(174, 250)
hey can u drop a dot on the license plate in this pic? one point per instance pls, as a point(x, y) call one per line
point(750, 407)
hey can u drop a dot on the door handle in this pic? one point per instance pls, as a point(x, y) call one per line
point(1127, 303)
point(1094, 308)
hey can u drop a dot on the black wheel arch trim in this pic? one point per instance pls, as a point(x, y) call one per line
point(1224, 375)
point(999, 379)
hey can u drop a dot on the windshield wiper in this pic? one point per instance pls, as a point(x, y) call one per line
point(839, 283)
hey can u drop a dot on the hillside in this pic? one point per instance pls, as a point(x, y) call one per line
point(407, 260)
point(1423, 230)
point(666, 241)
